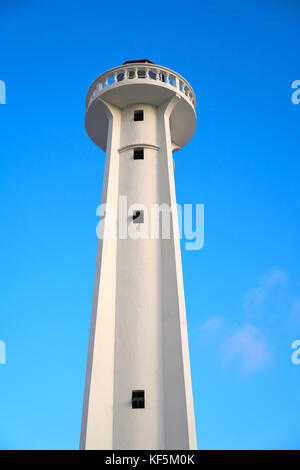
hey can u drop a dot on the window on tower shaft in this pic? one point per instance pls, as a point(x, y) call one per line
point(138, 399)
point(138, 154)
point(138, 217)
point(139, 115)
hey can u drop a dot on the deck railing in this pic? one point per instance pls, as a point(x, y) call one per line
point(118, 75)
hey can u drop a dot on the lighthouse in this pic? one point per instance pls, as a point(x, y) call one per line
point(138, 390)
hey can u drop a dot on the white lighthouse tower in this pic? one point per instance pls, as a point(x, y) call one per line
point(138, 392)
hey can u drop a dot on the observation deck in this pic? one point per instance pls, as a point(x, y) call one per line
point(141, 83)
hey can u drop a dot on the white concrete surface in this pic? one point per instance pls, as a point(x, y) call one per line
point(138, 336)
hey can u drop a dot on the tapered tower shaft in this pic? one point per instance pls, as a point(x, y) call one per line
point(138, 392)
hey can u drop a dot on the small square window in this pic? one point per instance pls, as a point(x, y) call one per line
point(139, 115)
point(138, 217)
point(138, 154)
point(138, 399)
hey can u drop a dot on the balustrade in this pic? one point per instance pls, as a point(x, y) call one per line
point(153, 72)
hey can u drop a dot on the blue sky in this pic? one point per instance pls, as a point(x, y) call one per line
point(242, 289)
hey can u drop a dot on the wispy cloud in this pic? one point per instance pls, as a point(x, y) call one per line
point(240, 346)
point(256, 296)
point(248, 348)
point(295, 311)
point(212, 325)
point(274, 278)
point(245, 345)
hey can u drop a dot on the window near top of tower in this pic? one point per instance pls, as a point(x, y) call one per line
point(138, 115)
point(138, 154)
point(138, 399)
point(138, 217)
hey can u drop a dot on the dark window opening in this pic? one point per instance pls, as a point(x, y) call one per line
point(139, 115)
point(138, 399)
point(138, 154)
point(138, 217)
